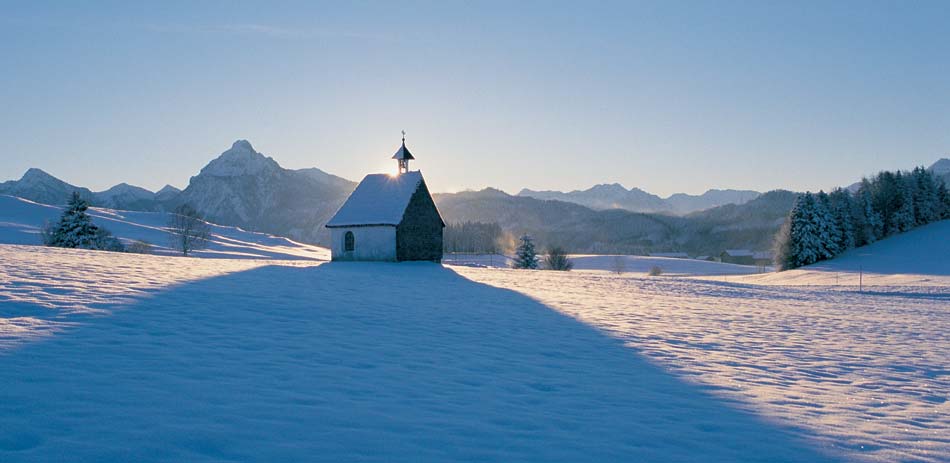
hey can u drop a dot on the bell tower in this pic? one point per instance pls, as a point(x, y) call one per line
point(403, 156)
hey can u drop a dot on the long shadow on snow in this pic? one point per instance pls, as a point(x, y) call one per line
point(359, 362)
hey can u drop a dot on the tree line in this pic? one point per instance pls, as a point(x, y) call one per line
point(473, 237)
point(822, 225)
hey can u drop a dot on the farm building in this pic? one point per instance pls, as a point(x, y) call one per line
point(737, 256)
point(388, 218)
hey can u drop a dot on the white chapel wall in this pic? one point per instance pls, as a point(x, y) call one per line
point(371, 243)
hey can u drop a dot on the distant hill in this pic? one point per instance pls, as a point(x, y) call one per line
point(615, 196)
point(580, 229)
point(752, 225)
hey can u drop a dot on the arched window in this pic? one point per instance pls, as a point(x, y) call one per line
point(349, 242)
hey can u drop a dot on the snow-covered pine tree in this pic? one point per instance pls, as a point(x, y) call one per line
point(862, 230)
point(525, 256)
point(828, 232)
point(943, 199)
point(926, 203)
point(875, 222)
point(903, 218)
point(798, 241)
point(841, 209)
point(75, 228)
point(886, 200)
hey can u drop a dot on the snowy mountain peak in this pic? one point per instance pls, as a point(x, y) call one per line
point(240, 160)
point(609, 188)
point(168, 190)
point(126, 189)
point(242, 145)
point(34, 175)
point(941, 167)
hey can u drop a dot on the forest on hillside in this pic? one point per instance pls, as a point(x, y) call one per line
point(823, 225)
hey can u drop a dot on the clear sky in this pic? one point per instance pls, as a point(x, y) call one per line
point(667, 96)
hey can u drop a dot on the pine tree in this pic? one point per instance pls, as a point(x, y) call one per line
point(904, 218)
point(943, 200)
point(76, 230)
point(798, 241)
point(828, 231)
point(926, 202)
point(842, 209)
point(526, 257)
point(886, 200)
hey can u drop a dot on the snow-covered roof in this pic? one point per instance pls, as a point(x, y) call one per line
point(675, 255)
point(739, 252)
point(380, 199)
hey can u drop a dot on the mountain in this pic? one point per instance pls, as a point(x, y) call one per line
point(683, 203)
point(551, 222)
point(751, 225)
point(126, 197)
point(942, 169)
point(580, 229)
point(39, 186)
point(615, 196)
point(244, 188)
point(36, 185)
point(167, 193)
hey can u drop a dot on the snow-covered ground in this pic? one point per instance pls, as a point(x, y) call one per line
point(21, 221)
point(159, 358)
point(920, 257)
point(613, 263)
point(122, 357)
point(863, 375)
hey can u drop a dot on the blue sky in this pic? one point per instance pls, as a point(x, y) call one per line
point(666, 96)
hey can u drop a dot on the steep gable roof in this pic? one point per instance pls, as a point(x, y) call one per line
point(380, 199)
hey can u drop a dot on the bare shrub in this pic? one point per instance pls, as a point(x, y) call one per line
point(139, 247)
point(655, 271)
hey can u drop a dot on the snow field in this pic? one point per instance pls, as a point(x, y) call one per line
point(609, 263)
point(864, 375)
point(228, 360)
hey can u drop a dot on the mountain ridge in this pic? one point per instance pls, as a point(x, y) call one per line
point(615, 196)
point(245, 188)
